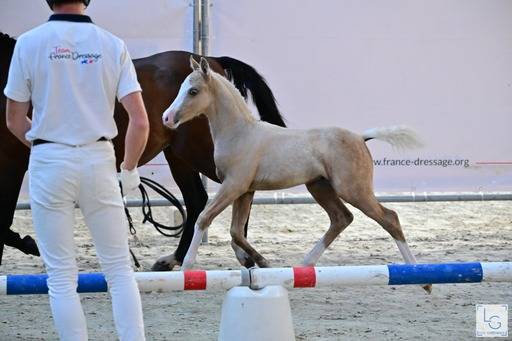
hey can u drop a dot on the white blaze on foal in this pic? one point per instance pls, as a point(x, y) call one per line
point(251, 155)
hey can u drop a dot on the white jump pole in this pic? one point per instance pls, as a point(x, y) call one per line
point(297, 277)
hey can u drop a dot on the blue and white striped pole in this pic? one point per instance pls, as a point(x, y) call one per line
point(391, 274)
point(297, 277)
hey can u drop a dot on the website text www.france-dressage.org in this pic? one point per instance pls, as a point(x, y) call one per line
point(419, 162)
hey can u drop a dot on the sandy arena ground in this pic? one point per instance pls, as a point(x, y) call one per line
point(437, 232)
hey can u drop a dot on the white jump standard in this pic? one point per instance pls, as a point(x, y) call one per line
point(297, 277)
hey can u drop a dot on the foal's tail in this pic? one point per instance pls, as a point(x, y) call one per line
point(246, 78)
point(400, 137)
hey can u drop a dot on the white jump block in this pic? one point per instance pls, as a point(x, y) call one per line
point(256, 315)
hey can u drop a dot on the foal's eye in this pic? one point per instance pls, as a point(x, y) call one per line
point(193, 92)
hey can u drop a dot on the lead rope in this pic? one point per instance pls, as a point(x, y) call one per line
point(148, 213)
point(130, 227)
point(133, 232)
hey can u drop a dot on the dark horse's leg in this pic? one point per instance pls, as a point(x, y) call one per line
point(9, 191)
point(195, 198)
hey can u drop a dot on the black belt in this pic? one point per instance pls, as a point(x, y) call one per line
point(40, 141)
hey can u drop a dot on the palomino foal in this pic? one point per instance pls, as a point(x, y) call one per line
point(251, 155)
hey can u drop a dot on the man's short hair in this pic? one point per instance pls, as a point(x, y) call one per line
point(52, 3)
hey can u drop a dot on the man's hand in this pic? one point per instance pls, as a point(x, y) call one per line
point(130, 179)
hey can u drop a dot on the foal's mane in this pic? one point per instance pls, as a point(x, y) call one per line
point(236, 95)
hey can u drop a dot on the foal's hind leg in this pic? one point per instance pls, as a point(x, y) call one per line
point(338, 213)
point(241, 209)
point(388, 219)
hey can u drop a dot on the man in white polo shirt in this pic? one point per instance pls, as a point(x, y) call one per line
point(72, 71)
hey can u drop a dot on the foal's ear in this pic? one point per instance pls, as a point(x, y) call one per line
point(205, 67)
point(193, 64)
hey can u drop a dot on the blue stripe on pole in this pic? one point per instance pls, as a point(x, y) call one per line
point(26, 284)
point(435, 273)
point(93, 282)
point(36, 284)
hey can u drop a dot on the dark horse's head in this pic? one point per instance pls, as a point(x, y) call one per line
point(6, 49)
point(6, 45)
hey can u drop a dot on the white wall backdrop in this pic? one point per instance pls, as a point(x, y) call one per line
point(147, 27)
point(443, 67)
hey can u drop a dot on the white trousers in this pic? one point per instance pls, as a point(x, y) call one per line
point(61, 176)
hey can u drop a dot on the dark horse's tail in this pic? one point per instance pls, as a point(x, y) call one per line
point(247, 79)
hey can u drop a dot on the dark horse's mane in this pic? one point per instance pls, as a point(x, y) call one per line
point(6, 48)
point(7, 42)
point(255, 84)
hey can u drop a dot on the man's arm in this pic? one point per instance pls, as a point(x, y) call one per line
point(17, 121)
point(138, 129)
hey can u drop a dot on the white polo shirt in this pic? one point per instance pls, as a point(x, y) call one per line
point(72, 71)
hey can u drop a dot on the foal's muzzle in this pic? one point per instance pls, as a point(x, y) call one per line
point(171, 119)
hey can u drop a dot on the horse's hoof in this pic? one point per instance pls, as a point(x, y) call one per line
point(248, 263)
point(166, 263)
point(29, 246)
point(161, 266)
point(263, 263)
point(428, 288)
point(243, 258)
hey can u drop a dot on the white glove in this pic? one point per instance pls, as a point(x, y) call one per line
point(130, 179)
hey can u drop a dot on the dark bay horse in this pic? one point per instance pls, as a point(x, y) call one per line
point(188, 150)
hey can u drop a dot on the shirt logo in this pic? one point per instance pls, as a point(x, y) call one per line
point(59, 53)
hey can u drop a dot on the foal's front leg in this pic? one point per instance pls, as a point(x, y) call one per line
point(225, 196)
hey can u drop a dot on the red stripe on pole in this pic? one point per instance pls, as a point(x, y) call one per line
point(304, 277)
point(195, 280)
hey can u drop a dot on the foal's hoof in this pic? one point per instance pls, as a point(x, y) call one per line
point(29, 246)
point(248, 263)
point(428, 288)
point(166, 263)
point(263, 263)
point(243, 258)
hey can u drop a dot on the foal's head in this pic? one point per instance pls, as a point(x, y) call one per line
point(194, 96)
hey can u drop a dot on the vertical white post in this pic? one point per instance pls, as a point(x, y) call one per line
point(204, 44)
point(196, 43)
point(200, 20)
point(205, 27)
